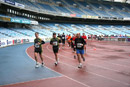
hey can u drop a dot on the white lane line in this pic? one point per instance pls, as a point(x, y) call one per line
point(87, 63)
point(58, 72)
point(89, 71)
point(106, 61)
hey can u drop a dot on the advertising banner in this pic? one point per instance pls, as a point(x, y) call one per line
point(84, 16)
point(73, 15)
point(78, 16)
point(19, 5)
point(6, 19)
point(9, 2)
point(3, 43)
point(34, 22)
point(25, 21)
point(9, 42)
point(16, 20)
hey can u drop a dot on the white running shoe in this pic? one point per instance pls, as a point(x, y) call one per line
point(43, 64)
point(37, 65)
point(80, 66)
point(56, 63)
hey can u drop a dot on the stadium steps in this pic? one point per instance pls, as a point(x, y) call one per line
point(100, 32)
point(113, 32)
point(5, 34)
point(79, 5)
point(37, 31)
point(19, 32)
point(86, 32)
point(122, 30)
point(83, 11)
point(55, 8)
point(118, 11)
point(39, 6)
point(69, 10)
point(66, 3)
point(84, 29)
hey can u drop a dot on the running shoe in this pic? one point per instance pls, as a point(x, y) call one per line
point(43, 64)
point(37, 65)
point(56, 63)
point(79, 66)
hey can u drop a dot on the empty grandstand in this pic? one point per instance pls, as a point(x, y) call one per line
point(22, 18)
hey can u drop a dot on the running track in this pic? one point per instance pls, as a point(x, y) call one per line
point(107, 65)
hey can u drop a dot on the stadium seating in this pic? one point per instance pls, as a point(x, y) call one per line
point(83, 8)
point(106, 10)
point(46, 29)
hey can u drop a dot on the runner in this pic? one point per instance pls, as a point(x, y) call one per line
point(80, 44)
point(63, 41)
point(60, 38)
point(38, 49)
point(69, 41)
point(85, 38)
point(55, 44)
point(73, 44)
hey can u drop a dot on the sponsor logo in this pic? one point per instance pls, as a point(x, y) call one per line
point(2, 43)
point(9, 2)
point(9, 42)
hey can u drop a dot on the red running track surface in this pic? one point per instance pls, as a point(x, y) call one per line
point(107, 65)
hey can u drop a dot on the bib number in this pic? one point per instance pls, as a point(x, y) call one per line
point(55, 43)
point(36, 45)
point(79, 45)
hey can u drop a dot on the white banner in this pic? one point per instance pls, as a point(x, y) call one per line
point(19, 5)
point(34, 22)
point(9, 42)
point(3, 43)
point(126, 18)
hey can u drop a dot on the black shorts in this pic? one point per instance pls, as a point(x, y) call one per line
point(38, 51)
point(63, 41)
point(55, 49)
point(59, 41)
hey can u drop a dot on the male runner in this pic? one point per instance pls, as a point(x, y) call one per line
point(69, 41)
point(79, 44)
point(85, 38)
point(60, 37)
point(63, 41)
point(55, 44)
point(38, 49)
point(73, 44)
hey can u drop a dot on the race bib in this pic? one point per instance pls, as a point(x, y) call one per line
point(63, 37)
point(79, 45)
point(36, 45)
point(55, 43)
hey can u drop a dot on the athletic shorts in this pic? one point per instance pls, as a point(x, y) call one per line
point(38, 51)
point(80, 51)
point(63, 41)
point(55, 49)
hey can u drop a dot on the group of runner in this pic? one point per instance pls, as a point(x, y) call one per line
point(76, 42)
